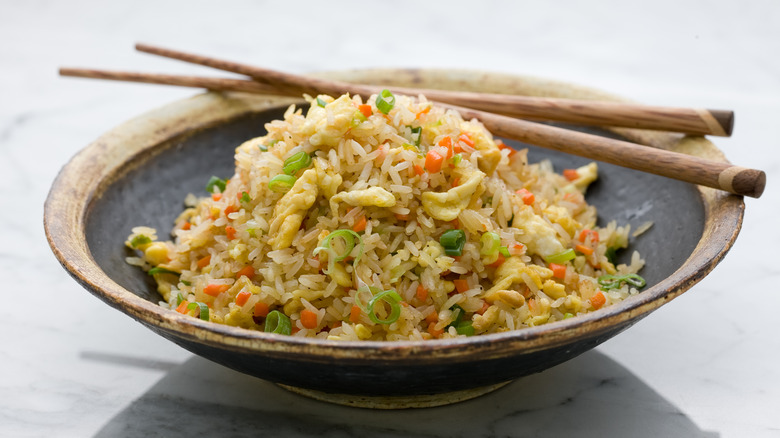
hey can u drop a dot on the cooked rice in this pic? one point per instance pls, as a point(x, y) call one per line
point(248, 249)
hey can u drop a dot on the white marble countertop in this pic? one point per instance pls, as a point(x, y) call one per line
point(704, 365)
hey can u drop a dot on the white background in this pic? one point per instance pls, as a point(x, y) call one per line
point(704, 365)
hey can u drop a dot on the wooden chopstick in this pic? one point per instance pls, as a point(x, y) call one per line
point(710, 173)
point(584, 112)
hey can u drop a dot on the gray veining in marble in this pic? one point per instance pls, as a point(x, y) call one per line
point(706, 365)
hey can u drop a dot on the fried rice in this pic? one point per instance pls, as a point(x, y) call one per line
point(390, 219)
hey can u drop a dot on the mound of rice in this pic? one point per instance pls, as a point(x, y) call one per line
point(445, 231)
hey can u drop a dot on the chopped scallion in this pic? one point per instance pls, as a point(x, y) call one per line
point(321, 102)
point(262, 147)
point(453, 242)
point(279, 323)
point(281, 183)
point(215, 182)
point(245, 197)
point(204, 309)
point(296, 162)
point(465, 328)
point(140, 240)
point(504, 251)
point(455, 160)
point(385, 101)
point(390, 297)
point(608, 281)
point(491, 242)
point(561, 257)
point(179, 298)
point(159, 270)
point(348, 237)
point(186, 283)
point(417, 135)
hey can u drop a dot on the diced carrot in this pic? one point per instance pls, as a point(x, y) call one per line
point(309, 319)
point(230, 209)
point(461, 285)
point(230, 232)
point(598, 300)
point(455, 182)
point(404, 303)
point(360, 225)
point(183, 307)
point(422, 293)
point(559, 271)
point(366, 110)
point(570, 174)
point(584, 249)
point(433, 161)
point(533, 306)
point(527, 197)
point(502, 145)
point(242, 298)
point(432, 317)
point(247, 271)
point(354, 314)
point(261, 309)
point(499, 261)
point(434, 331)
point(455, 224)
point(418, 170)
point(336, 324)
point(380, 158)
point(483, 309)
point(186, 226)
point(516, 249)
point(594, 235)
point(457, 148)
point(446, 141)
point(216, 196)
point(466, 139)
point(202, 263)
point(422, 112)
point(215, 289)
point(402, 217)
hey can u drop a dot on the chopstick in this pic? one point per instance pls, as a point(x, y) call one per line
point(583, 112)
point(710, 173)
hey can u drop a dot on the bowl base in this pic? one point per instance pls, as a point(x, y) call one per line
point(396, 402)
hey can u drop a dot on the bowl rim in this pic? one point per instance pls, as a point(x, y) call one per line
point(91, 170)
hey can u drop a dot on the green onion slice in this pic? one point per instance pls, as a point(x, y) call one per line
point(279, 323)
point(465, 328)
point(385, 101)
point(263, 147)
point(281, 183)
point(321, 102)
point(159, 270)
point(215, 182)
point(561, 257)
point(371, 291)
point(245, 197)
point(348, 236)
point(456, 159)
point(390, 297)
point(186, 283)
point(358, 118)
point(417, 135)
point(504, 251)
point(608, 281)
point(491, 242)
point(179, 298)
point(567, 315)
point(296, 162)
point(453, 242)
point(140, 240)
point(204, 309)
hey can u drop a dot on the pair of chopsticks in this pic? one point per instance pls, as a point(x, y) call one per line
point(501, 114)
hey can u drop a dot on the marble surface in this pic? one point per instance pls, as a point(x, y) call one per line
point(704, 365)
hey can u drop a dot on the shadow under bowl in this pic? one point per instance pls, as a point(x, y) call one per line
point(140, 172)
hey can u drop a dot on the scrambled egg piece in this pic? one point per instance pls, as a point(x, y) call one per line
point(538, 235)
point(372, 196)
point(491, 154)
point(512, 270)
point(326, 127)
point(446, 206)
point(291, 209)
point(562, 217)
point(329, 182)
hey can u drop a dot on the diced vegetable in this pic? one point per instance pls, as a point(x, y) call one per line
point(422, 293)
point(360, 225)
point(366, 110)
point(433, 161)
point(465, 328)
point(582, 249)
point(204, 309)
point(230, 232)
point(158, 270)
point(140, 240)
point(504, 251)
point(594, 235)
point(247, 271)
point(461, 285)
point(561, 257)
point(466, 139)
point(321, 102)
point(453, 242)
point(527, 197)
point(202, 263)
point(491, 242)
point(261, 309)
point(385, 101)
point(245, 197)
point(354, 314)
point(559, 271)
point(279, 323)
point(608, 281)
point(417, 135)
point(299, 160)
point(390, 297)
point(570, 174)
point(215, 289)
point(281, 183)
point(242, 298)
point(598, 300)
point(348, 237)
point(309, 319)
point(215, 182)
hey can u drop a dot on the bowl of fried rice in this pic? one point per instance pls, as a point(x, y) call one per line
point(379, 251)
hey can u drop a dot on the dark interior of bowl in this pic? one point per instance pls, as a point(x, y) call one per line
point(151, 189)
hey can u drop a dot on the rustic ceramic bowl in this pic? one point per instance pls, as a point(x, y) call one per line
point(139, 173)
